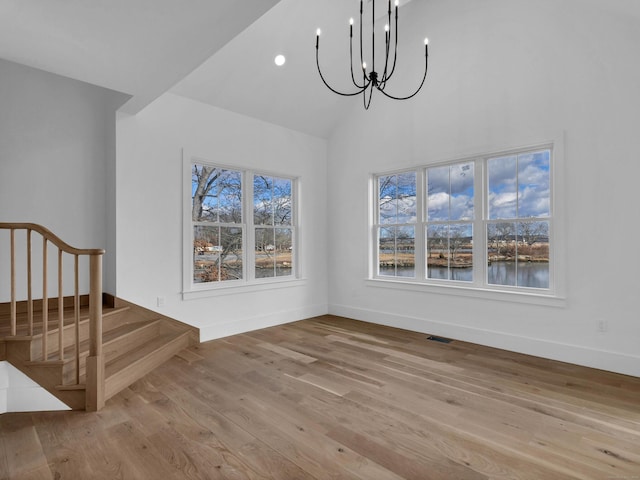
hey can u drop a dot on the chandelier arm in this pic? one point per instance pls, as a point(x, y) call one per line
point(414, 93)
point(395, 52)
point(361, 53)
point(362, 89)
point(353, 78)
point(387, 40)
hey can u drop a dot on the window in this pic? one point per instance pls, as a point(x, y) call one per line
point(396, 225)
point(450, 214)
point(218, 231)
point(481, 223)
point(237, 235)
point(519, 202)
point(273, 231)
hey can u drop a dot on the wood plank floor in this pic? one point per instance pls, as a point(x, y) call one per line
point(331, 398)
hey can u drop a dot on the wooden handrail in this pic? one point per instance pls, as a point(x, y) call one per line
point(52, 237)
point(94, 383)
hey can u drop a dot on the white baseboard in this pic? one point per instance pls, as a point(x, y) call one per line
point(242, 325)
point(575, 354)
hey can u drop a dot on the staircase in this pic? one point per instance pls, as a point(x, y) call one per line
point(83, 349)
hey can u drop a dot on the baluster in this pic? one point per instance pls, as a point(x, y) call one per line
point(45, 301)
point(76, 314)
point(29, 293)
point(13, 283)
point(60, 308)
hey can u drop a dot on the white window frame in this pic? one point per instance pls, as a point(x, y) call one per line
point(248, 282)
point(479, 287)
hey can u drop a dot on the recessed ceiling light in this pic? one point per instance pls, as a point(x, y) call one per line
point(279, 60)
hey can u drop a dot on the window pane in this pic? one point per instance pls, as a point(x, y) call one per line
point(460, 252)
point(265, 252)
point(387, 200)
point(206, 253)
point(501, 253)
point(231, 254)
point(437, 251)
point(461, 203)
point(216, 194)
point(450, 192)
point(438, 193)
point(533, 184)
point(407, 197)
point(230, 198)
point(406, 252)
point(397, 198)
point(262, 200)
point(518, 254)
point(387, 251)
point(396, 254)
point(284, 247)
point(502, 187)
point(271, 200)
point(450, 252)
point(533, 255)
point(282, 201)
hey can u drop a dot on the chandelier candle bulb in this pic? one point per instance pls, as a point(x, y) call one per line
point(373, 79)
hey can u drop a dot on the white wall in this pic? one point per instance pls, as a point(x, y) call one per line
point(149, 211)
point(509, 74)
point(57, 140)
point(18, 393)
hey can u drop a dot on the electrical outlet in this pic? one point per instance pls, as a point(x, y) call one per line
point(160, 301)
point(602, 326)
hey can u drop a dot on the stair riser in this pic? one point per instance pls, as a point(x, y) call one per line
point(126, 377)
point(124, 343)
point(111, 350)
point(110, 321)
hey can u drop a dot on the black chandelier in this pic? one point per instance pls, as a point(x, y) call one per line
point(373, 79)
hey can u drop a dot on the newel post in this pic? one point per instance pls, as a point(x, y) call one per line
point(95, 360)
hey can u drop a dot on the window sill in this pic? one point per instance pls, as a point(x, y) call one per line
point(532, 298)
point(221, 290)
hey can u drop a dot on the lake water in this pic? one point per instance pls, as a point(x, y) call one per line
point(533, 275)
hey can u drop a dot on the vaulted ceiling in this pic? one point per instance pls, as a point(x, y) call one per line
point(214, 51)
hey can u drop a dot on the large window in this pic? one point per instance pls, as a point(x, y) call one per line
point(483, 223)
point(241, 227)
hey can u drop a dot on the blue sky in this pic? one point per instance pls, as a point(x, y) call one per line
point(519, 186)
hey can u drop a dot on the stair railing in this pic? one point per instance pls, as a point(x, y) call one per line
point(94, 383)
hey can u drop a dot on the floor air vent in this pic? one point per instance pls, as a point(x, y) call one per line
point(439, 339)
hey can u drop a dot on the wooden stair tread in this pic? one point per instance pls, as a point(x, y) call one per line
point(126, 369)
point(140, 353)
point(108, 337)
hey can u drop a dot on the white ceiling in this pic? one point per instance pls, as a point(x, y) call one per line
point(242, 76)
point(138, 47)
point(216, 51)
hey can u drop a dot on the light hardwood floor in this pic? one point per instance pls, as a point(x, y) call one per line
point(333, 398)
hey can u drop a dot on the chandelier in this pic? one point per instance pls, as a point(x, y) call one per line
point(372, 79)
